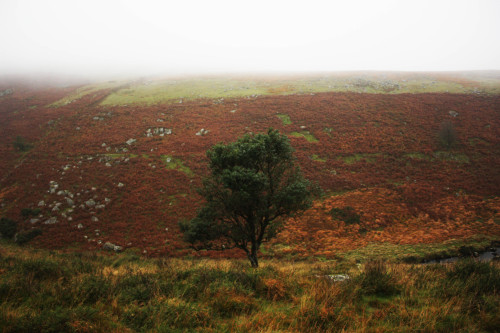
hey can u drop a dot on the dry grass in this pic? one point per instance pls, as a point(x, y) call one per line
point(56, 292)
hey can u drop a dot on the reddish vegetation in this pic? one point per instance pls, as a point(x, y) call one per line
point(405, 189)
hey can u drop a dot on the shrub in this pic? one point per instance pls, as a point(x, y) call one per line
point(8, 227)
point(447, 134)
point(27, 212)
point(26, 236)
point(347, 214)
point(377, 280)
point(21, 145)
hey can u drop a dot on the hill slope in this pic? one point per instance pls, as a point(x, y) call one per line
point(120, 161)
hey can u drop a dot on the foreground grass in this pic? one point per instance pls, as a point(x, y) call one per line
point(44, 291)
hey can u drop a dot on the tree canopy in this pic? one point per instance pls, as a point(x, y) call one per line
point(253, 184)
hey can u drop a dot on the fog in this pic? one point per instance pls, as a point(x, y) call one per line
point(127, 37)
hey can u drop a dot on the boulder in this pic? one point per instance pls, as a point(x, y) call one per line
point(112, 247)
point(90, 203)
point(52, 220)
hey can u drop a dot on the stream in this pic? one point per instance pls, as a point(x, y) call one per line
point(488, 255)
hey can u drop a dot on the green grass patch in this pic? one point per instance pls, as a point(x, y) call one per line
point(452, 157)
point(417, 156)
point(351, 159)
point(316, 158)
point(306, 135)
point(176, 164)
point(476, 141)
point(285, 119)
point(418, 252)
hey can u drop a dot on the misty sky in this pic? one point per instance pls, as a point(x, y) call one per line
point(114, 37)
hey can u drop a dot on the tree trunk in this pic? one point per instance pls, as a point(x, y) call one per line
point(253, 259)
point(252, 255)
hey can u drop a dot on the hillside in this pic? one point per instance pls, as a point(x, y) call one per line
point(120, 161)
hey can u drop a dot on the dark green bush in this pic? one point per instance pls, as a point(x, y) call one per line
point(27, 212)
point(346, 214)
point(8, 227)
point(26, 236)
point(21, 145)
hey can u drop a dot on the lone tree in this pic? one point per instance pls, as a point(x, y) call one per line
point(447, 134)
point(254, 183)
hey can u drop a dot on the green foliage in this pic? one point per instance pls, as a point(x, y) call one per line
point(447, 134)
point(26, 236)
point(254, 184)
point(8, 227)
point(21, 145)
point(346, 214)
point(27, 212)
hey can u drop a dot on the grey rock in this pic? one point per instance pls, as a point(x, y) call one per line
point(52, 220)
point(90, 203)
point(130, 141)
point(453, 113)
point(6, 92)
point(41, 203)
point(202, 132)
point(94, 219)
point(112, 247)
point(33, 221)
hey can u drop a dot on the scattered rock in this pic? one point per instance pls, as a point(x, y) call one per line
point(130, 141)
point(335, 277)
point(112, 247)
point(90, 203)
point(6, 92)
point(202, 132)
point(453, 113)
point(52, 220)
point(33, 221)
point(108, 164)
point(41, 203)
point(70, 202)
point(121, 185)
point(80, 226)
point(94, 219)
